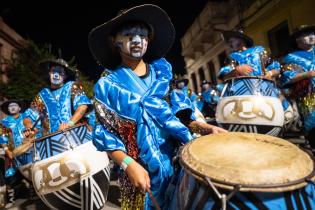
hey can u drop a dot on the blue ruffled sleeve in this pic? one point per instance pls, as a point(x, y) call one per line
point(79, 97)
point(275, 65)
point(106, 141)
point(179, 102)
point(288, 75)
point(224, 71)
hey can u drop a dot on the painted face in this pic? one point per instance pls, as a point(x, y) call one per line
point(205, 86)
point(57, 75)
point(181, 85)
point(235, 43)
point(306, 39)
point(132, 41)
point(14, 108)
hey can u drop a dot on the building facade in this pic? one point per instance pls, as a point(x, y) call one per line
point(9, 41)
point(268, 22)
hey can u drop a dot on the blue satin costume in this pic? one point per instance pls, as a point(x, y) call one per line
point(251, 56)
point(17, 127)
point(304, 61)
point(136, 118)
point(57, 106)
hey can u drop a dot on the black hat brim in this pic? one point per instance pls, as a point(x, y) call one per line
point(229, 34)
point(100, 40)
point(4, 106)
point(299, 32)
point(183, 80)
point(46, 64)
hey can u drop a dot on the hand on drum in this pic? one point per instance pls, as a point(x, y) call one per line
point(243, 70)
point(64, 126)
point(29, 133)
point(138, 176)
point(204, 128)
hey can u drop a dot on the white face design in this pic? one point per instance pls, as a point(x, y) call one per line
point(205, 86)
point(235, 43)
point(181, 85)
point(57, 75)
point(14, 108)
point(132, 41)
point(307, 39)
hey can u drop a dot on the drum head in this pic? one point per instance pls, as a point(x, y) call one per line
point(254, 162)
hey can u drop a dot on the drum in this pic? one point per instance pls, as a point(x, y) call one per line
point(250, 104)
point(70, 172)
point(245, 165)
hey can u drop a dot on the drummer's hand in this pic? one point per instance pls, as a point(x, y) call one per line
point(64, 126)
point(216, 129)
point(138, 176)
point(205, 128)
point(9, 154)
point(244, 70)
point(30, 132)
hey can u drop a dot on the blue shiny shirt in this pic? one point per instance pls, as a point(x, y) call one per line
point(250, 56)
point(129, 97)
point(304, 61)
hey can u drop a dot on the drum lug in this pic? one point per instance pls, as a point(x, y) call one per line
point(223, 197)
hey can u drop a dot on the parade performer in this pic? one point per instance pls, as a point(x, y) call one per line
point(139, 127)
point(210, 99)
point(299, 75)
point(63, 104)
point(247, 59)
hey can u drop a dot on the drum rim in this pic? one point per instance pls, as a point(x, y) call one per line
point(248, 77)
point(281, 187)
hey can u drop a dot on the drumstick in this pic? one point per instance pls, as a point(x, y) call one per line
point(155, 203)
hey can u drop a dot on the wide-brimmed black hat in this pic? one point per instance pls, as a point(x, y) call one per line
point(4, 105)
point(185, 81)
point(100, 40)
point(303, 29)
point(239, 34)
point(46, 65)
point(205, 82)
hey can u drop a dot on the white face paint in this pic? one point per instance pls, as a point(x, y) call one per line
point(57, 75)
point(181, 85)
point(14, 108)
point(235, 43)
point(132, 41)
point(306, 39)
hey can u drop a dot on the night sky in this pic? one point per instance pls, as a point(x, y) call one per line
point(67, 27)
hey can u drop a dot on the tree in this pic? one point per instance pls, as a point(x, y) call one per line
point(25, 79)
point(24, 76)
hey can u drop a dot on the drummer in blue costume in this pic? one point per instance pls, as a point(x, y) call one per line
point(210, 99)
point(299, 76)
point(139, 127)
point(63, 104)
point(182, 85)
point(246, 58)
point(13, 136)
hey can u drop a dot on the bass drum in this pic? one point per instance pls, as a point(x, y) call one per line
point(252, 105)
point(243, 170)
point(71, 173)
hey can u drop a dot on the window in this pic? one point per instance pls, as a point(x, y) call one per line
point(279, 39)
point(222, 58)
point(201, 75)
point(212, 72)
point(194, 81)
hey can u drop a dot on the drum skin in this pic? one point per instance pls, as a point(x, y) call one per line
point(251, 104)
point(256, 162)
point(77, 177)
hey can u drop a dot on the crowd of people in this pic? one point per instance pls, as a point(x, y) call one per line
point(141, 121)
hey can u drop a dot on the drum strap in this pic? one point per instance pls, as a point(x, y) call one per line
point(255, 201)
point(305, 199)
point(288, 201)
